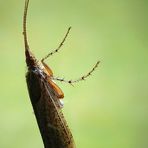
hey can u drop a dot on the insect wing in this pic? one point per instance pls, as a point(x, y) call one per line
point(51, 122)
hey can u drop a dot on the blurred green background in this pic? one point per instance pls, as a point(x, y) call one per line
point(109, 109)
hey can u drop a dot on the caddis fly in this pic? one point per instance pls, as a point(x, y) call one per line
point(46, 96)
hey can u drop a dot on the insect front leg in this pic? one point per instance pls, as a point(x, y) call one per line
point(58, 48)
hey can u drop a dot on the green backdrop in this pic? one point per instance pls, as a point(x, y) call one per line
point(109, 109)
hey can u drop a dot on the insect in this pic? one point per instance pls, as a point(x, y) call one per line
point(46, 96)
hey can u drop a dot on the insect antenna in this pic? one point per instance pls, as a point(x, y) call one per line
point(79, 79)
point(30, 59)
point(58, 48)
point(24, 25)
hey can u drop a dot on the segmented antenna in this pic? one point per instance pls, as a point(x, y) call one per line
point(58, 48)
point(24, 25)
point(79, 79)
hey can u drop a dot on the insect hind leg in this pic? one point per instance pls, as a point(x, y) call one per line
point(59, 47)
point(79, 79)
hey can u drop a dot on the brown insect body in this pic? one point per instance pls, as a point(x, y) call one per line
point(45, 98)
point(51, 122)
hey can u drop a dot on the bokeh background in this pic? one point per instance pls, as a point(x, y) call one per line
point(109, 109)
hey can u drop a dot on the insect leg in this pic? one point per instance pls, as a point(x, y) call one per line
point(79, 79)
point(58, 48)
